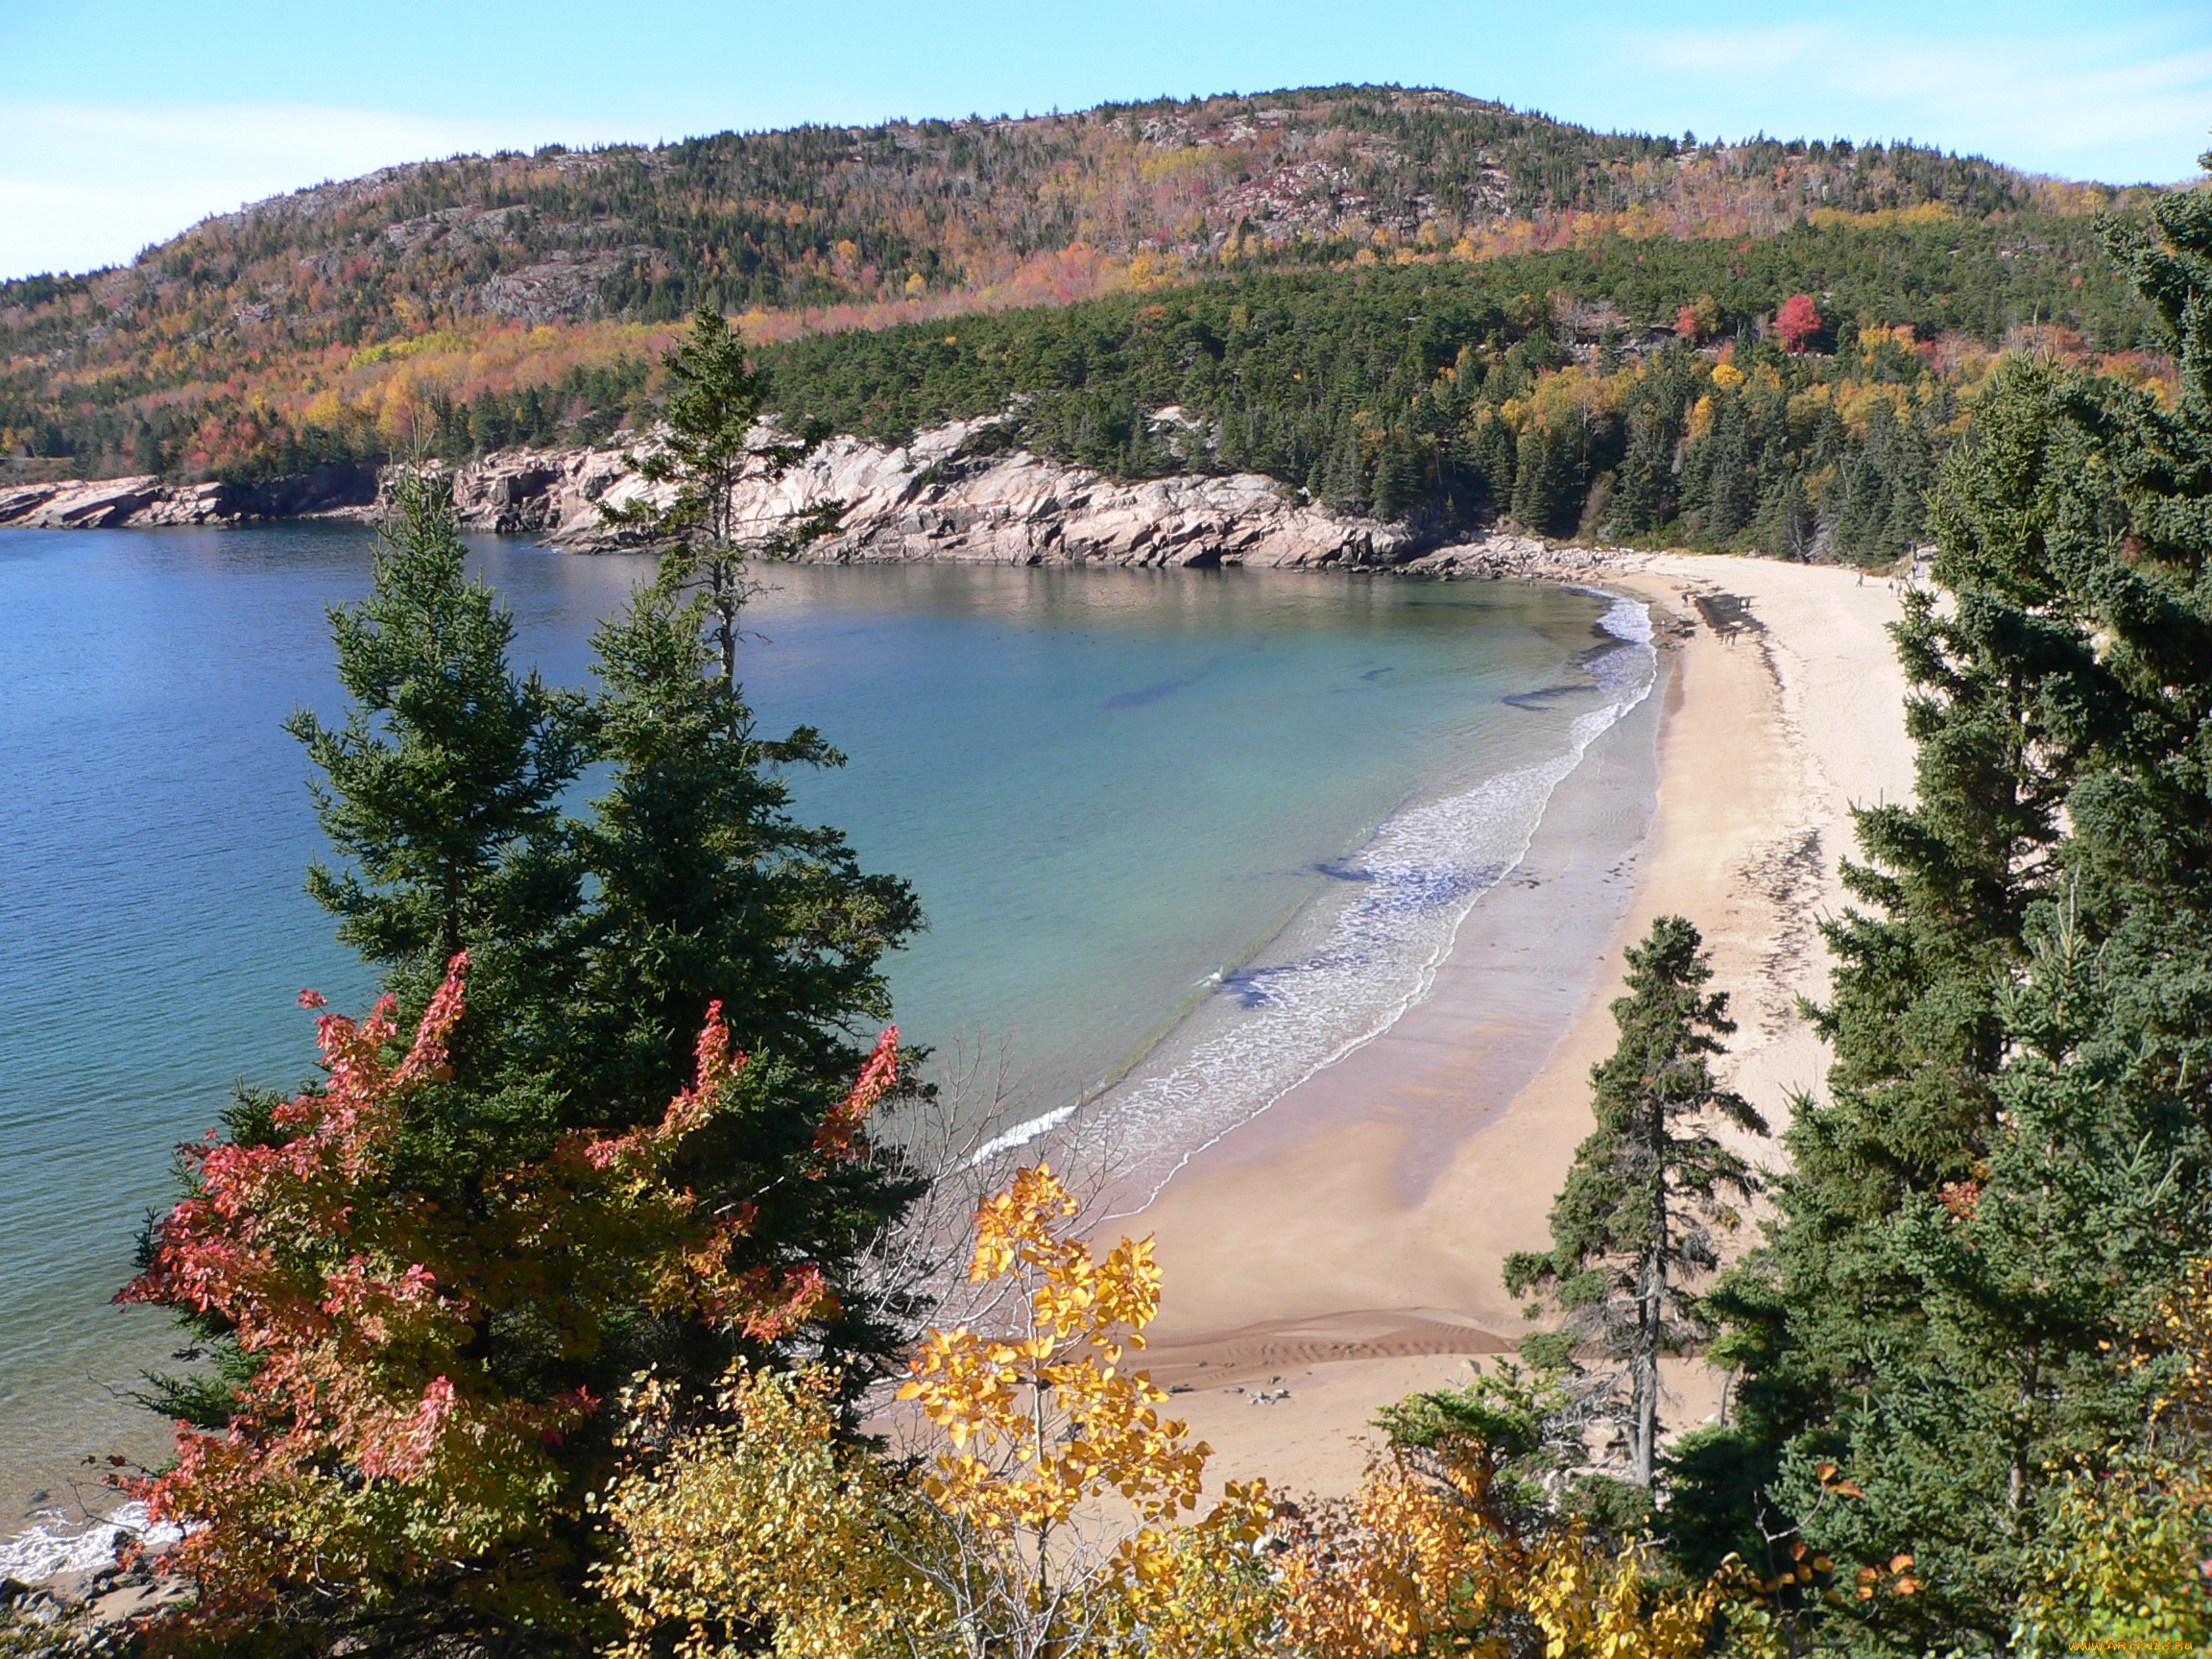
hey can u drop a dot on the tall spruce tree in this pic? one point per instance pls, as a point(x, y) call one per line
point(1633, 1225)
point(707, 890)
point(1958, 1304)
point(442, 789)
point(711, 440)
point(443, 784)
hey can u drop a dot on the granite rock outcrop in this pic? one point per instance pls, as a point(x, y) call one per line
point(145, 500)
point(950, 495)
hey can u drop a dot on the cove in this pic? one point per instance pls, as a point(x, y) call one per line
point(1136, 804)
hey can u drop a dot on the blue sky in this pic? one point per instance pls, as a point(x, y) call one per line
point(122, 122)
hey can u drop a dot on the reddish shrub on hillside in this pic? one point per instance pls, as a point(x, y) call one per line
point(1798, 321)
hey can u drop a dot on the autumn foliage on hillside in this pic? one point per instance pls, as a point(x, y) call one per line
point(1797, 320)
point(341, 321)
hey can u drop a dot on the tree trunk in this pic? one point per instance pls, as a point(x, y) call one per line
point(1651, 1306)
point(1643, 1397)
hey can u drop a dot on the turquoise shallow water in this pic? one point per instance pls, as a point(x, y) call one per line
point(1216, 808)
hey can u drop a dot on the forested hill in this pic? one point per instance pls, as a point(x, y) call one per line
point(534, 289)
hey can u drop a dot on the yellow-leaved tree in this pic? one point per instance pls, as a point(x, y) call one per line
point(753, 1524)
point(1438, 1553)
point(1055, 1518)
point(1043, 1426)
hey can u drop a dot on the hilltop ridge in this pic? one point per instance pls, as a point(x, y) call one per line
point(314, 326)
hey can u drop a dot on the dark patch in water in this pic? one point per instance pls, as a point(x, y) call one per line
point(1429, 889)
point(1255, 987)
point(1422, 888)
point(1537, 699)
point(1250, 990)
point(1378, 673)
point(1145, 695)
point(1590, 656)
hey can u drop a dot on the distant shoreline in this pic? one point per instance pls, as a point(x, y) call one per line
point(932, 499)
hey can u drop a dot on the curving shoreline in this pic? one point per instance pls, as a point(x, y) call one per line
point(1357, 961)
point(1347, 1247)
point(1348, 1244)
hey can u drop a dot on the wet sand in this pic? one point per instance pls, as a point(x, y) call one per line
point(1346, 1246)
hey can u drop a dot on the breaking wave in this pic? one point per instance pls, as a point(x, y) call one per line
point(1356, 958)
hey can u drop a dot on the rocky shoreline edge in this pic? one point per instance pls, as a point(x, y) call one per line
point(945, 495)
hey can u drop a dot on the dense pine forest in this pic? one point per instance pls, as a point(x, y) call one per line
point(1627, 389)
point(481, 302)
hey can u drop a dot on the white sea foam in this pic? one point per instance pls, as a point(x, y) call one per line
point(1021, 1135)
point(55, 1544)
point(1350, 964)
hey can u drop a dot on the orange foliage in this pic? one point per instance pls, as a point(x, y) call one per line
point(370, 1444)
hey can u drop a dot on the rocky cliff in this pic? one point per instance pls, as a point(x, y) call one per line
point(114, 503)
point(941, 496)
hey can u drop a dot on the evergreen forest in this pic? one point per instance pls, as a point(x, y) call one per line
point(1628, 391)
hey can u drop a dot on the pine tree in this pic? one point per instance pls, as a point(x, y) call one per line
point(1398, 477)
point(1728, 495)
point(1632, 1227)
point(1492, 455)
point(1957, 1305)
point(711, 440)
point(706, 892)
point(443, 785)
point(1643, 498)
point(1344, 480)
point(1544, 494)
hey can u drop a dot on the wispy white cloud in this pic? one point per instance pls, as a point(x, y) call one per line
point(2076, 105)
point(83, 185)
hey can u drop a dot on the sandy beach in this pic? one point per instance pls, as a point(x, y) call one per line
point(1345, 1246)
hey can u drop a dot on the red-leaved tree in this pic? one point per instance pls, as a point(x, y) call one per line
point(1798, 321)
point(378, 1476)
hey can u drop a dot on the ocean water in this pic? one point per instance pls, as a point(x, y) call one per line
point(1181, 837)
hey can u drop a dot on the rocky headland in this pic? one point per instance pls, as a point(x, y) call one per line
point(950, 494)
point(145, 500)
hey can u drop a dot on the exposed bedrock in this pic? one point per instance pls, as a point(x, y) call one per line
point(112, 503)
point(938, 498)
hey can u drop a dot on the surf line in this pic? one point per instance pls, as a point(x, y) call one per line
point(1420, 875)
